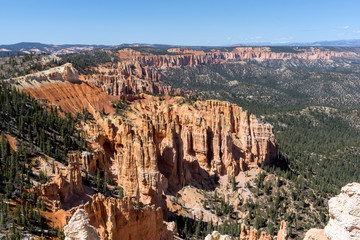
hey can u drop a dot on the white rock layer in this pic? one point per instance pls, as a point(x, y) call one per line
point(217, 236)
point(79, 227)
point(344, 211)
point(62, 73)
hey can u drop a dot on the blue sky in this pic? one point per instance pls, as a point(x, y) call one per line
point(195, 22)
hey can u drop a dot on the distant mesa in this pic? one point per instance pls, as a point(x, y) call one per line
point(34, 47)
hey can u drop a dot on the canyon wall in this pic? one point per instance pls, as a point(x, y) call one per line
point(129, 77)
point(159, 146)
point(154, 146)
point(125, 219)
point(66, 183)
point(137, 72)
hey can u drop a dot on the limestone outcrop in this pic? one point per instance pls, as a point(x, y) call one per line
point(79, 227)
point(215, 235)
point(62, 73)
point(159, 146)
point(72, 97)
point(125, 219)
point(344, 211)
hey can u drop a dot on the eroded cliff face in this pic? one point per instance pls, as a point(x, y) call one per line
point(66, 183)
point(186, 57)
point(137, 72)
point(125, 219)
point(159, 146)
point(129, 77)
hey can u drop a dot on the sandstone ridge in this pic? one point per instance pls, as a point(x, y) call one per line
point(62, 73)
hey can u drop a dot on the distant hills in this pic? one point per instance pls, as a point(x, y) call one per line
point(339, 43)
point(34, 47)
point(28, 47)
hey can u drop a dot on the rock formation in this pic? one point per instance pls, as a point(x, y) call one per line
point(344, 211)
point(62, 73)
point(315, 234)
point(137, 72)
point(125, 219)
point(215, 235)
point(283, 232)
point(61, 86)
point(79, 227)
point(67, 182)
point(92, 161)
point(127, 78)
point(252, 234)
point(162, 145)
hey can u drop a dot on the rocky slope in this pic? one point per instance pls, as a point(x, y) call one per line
point(60, 86)
point(344, 220)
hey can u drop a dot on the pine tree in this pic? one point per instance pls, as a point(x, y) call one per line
point(98, 181)
point(233, 183)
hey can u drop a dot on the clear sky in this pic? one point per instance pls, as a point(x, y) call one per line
point(185, 22)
